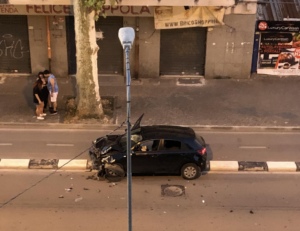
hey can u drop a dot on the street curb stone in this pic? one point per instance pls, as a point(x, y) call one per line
point(13, 125)
point(215, 166)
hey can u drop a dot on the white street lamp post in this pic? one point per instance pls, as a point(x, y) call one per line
point(126, 36)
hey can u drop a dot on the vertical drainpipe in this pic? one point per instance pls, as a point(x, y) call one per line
point(137, 49)
point(48, 42)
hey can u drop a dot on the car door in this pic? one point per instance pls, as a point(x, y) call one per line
point(145, 157)
point(173, 156)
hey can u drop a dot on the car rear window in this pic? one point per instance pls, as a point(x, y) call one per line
point(201, 140)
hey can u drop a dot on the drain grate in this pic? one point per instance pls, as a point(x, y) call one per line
point(172, 190)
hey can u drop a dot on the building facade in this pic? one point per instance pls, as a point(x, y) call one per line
point(35, 37)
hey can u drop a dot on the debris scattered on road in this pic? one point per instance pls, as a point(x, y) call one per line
point(251, 212)
point(98, 190)
point(194, 184)
point(231, 211)
point(185, 187)
point(108, 197)
point(146, 191)
point(151, 208)
point(169, 180)
point(61, 196)
point(201, 195)
point(69, 189)
point(114, 184)
point(165, 212)
point(86, 189)
point(203, 201)
point(78, 199)
point(60, 175)
point(178, 205)
point(216, 192)
point(71, 178)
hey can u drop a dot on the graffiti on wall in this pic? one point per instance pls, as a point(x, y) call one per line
point(11, 47)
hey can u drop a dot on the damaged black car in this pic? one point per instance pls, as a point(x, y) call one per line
point(156, 150)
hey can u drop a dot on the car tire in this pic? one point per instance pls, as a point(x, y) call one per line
point(190, 171)
point(111, 173)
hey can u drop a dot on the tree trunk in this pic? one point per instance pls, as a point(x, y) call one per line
point(88, 97)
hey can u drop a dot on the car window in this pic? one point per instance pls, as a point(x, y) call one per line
point(172, 145)
point(148, 146)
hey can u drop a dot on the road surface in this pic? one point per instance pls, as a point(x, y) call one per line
point(64, 144)
point(218, 202)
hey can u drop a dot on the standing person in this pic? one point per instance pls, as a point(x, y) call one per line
point(53, 90)
point(38, 99)
point(45, 91)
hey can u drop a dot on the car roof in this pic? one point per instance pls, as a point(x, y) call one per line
point(167, 132)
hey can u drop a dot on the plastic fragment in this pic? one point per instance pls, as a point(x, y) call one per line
point(69, 189)
point(61, 196)
point(78, 199)
point(86, 189)
point(203, 201)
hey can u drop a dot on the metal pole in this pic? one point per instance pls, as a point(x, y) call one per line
point(128, 80)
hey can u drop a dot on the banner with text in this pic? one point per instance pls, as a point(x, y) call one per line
point(279, 52)
point(170, 17)
point(64, 10)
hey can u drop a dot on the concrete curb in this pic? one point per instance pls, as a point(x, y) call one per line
point(60, 126)
point(214, 166)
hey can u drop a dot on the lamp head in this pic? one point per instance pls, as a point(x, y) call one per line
point(126, 36)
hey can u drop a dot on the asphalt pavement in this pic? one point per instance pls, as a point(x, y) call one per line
point(65, 144)
point(253, 201)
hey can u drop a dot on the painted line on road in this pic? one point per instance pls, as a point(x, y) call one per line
point(6, 144)
point(253, 147)
point(60, 145)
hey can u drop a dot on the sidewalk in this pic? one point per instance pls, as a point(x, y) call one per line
point(254, 102)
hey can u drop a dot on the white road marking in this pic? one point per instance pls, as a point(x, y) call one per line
point(60, 145)
point(255, 147)
point(6, 144)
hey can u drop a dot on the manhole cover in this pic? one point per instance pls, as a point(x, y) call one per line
point(172, 190)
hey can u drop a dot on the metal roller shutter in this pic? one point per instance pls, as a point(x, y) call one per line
point(14, 44)
point(110, 54)
point(71, 45)
point(182, 51)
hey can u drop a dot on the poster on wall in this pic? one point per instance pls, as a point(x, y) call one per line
point(171, 17)
point(279, 52)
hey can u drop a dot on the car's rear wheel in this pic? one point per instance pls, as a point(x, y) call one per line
point(190, 171)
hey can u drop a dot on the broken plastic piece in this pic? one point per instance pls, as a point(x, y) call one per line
point(61, 196)
point(69, 189)
point(203, 201)
point(78, 199)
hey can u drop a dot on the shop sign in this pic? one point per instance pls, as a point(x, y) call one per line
point(140, 11)
point(279, 54)
point(171, 17)
point(278, 26)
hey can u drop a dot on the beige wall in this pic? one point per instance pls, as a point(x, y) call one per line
point(38, 43)
point(59, 53)
point(229, 48)
point(149, 49)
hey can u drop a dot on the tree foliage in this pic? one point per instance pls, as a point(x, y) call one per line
point(97, 6)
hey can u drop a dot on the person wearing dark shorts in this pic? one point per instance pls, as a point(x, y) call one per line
point(45, 91)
